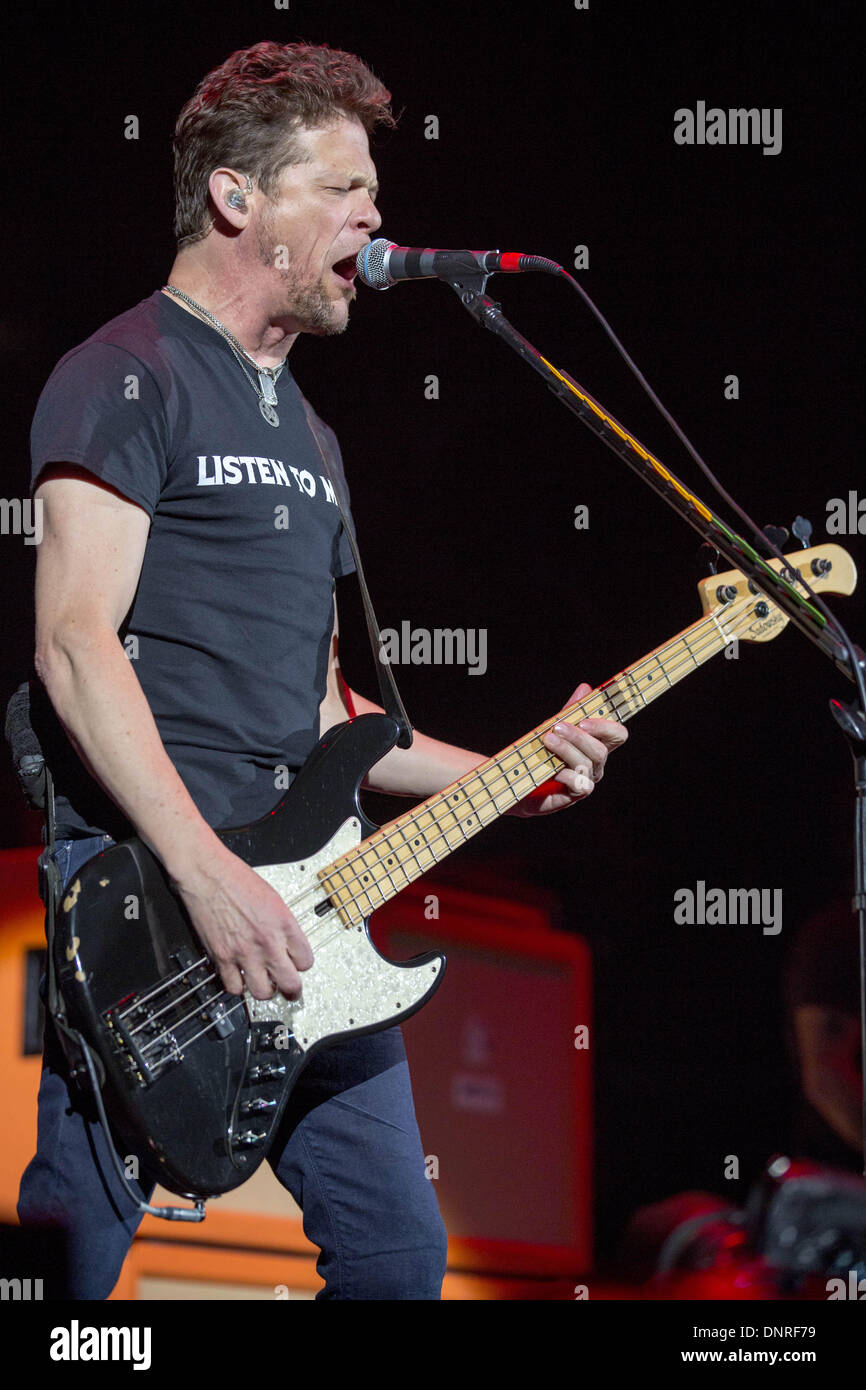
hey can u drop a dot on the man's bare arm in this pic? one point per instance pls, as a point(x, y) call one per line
point(419, 771)
point(430, 765)
point(88, 567)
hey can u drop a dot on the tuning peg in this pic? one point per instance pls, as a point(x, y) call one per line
point(778, 535)
point(802, 530)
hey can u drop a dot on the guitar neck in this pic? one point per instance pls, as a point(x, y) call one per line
point(404, 849)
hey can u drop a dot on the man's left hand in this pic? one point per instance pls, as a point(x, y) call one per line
point(584, 750)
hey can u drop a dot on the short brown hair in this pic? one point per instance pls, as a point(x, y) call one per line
point(245, 113)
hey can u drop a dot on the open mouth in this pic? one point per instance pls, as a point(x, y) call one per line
point(346, 269)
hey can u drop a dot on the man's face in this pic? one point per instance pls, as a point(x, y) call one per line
point(310, 233)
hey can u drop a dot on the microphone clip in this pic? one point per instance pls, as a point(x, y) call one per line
point(468, 281)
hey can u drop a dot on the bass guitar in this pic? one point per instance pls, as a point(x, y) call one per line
point(199, 1078)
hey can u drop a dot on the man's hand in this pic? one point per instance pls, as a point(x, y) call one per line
point(584, 749)
point(245, 927)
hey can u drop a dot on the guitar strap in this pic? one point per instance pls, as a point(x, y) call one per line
point(391, 701)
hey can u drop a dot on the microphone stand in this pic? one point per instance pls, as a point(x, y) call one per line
point(469, 285)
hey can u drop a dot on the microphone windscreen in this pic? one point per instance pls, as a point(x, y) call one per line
point(370, 264)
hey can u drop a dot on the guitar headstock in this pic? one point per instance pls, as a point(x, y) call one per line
point(826, 568)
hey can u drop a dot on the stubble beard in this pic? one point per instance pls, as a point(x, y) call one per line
point(310, 305)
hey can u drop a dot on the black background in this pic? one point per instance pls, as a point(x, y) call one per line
point(555, 129)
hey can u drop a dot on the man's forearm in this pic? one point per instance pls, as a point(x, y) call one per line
point(98, 699)
point(427, 767)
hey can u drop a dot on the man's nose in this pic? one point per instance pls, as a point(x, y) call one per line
point(369, 217)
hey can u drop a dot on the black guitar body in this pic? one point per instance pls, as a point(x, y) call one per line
point(189, 1080)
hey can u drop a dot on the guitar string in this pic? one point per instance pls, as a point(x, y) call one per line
point(622, 705)
point(173, 1003)
point(179, 976)
point(187, 1042)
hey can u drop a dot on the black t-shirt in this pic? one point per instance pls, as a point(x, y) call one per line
point(230, 627)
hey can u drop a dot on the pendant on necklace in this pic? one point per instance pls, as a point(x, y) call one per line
point(268, 399)
point(269, 391)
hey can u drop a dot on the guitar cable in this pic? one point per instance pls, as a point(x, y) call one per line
point(196, 1213)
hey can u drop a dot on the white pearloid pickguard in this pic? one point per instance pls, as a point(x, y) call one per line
point(349, 985)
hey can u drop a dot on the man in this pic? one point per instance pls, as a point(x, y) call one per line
point(163, 450)
point(822, 1033)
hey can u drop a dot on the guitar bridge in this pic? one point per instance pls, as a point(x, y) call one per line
point(151, 1030)
point(145, 1049)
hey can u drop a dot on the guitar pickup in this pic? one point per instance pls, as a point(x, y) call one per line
point(206, 991)
point(216, 1015)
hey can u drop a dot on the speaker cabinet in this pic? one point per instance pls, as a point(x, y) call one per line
point(500, 1066)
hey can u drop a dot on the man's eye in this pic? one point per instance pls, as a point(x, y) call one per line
point(339, 190)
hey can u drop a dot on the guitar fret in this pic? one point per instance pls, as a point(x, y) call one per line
point(629, 676)
point(645, 676)
point(367, 881)
point(642, 677)
point(339, 890)
point(688, 646)
point(623, 706)
point(409, 851)
point(614, 694)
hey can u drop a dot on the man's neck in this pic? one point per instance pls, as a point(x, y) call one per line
point(223, 295)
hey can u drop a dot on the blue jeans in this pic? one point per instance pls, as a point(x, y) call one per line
point(348, 1151)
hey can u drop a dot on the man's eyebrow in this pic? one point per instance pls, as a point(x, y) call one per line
point(371, 184)
point(357, 178)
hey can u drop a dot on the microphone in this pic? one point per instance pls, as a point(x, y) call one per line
point(383, 264)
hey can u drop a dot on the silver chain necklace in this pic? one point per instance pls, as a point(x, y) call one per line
point(266, 389)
